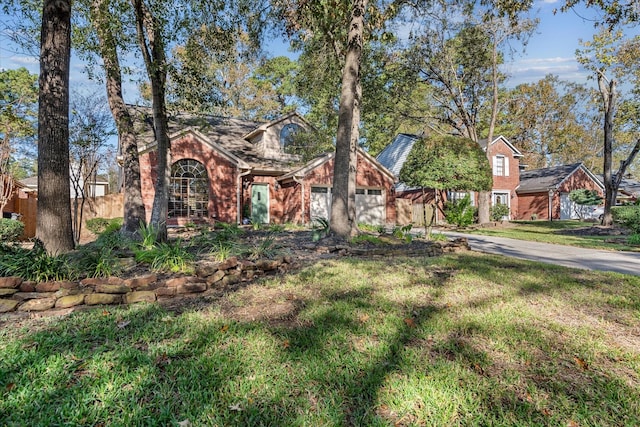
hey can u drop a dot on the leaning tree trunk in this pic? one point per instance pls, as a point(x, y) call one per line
point(343, 218)
point(152, 48)
point(53, 220)
point(134, 210)
point(608, 92)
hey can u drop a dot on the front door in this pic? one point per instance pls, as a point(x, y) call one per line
point(260, 203)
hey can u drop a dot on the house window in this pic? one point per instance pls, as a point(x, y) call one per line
point(189, 190)
point(501, 199)
point(500, 166)
point(287, 136)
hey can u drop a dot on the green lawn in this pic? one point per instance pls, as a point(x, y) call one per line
point(557, 232)
point(465, 339)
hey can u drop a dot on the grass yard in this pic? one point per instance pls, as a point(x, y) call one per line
point(465, 339)
point(565, 232)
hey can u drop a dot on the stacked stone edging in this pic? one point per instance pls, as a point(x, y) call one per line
point(20, 295)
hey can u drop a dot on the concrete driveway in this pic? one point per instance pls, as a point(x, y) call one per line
point(568, 256)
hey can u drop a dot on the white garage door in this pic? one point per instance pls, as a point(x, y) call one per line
point(370, 208)
point(572, 210)
point(320, 203)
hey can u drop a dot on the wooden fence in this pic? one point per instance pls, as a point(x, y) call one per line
point(26, 204)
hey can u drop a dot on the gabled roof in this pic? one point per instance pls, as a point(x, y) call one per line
point(320, 160)
point(263, 127)
point(395, 154)
point(628, 185)
point(223, 133)
point(546, 179)
point(483, 144)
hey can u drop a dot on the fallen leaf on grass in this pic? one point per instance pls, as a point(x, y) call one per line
point(235, 407)
point(11, 386)
point(410, 322)
point(124, 324)
point(225, 328)
point(185, 423)
point(581, 363)
point(363, 318)
point(105, 313)
point(572, 423)
point(286, 344)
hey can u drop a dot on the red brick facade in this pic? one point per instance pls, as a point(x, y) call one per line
point(288, 201)
point(508, 181)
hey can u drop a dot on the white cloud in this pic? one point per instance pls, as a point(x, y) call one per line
point(531, 70)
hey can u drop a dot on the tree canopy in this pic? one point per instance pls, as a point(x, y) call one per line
point(447, 163)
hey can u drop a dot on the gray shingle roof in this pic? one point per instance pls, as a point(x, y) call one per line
point(395, 154)
point(543, 179)
point(227, 132)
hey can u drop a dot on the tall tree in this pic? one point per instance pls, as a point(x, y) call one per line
point(458, 52)
point(151, 41)
point(90, 128)
point(101, 18)
point(551, 122)
point(610, 58)
point(53, 219)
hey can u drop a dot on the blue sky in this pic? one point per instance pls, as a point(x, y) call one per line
point(551, 50)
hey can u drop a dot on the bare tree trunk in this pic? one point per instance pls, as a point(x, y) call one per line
point(608, 92)
point(134, 210)
point(343, 218)
point(53, 219)
point(152, 47)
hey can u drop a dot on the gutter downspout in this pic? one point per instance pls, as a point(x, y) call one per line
point(239, 195)
point(301, 182)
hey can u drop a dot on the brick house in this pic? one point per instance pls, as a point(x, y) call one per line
point(504, 159)
point(226, 169)
point(544, 193)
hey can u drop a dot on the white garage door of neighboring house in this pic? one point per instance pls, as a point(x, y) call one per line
point(571, 210)
point(320, 203)
point(567, 207)
point(370, 207)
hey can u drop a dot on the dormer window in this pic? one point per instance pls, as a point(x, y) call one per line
point(288, 133)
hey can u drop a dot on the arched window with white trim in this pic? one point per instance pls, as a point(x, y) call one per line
point(189, 190)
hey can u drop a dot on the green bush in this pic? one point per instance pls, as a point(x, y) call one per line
point(100, 225)
point(627, 216)
point(498, 212)
point(634, 239)
point(10, 229)
point(168, 257)
point(34, 264)
point(460, 212)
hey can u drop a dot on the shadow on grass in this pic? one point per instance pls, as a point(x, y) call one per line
point(333, 366)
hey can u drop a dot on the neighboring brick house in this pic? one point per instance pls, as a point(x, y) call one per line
point(504, 159)
point(226, 169)
point(544, 193)
point(505, 165)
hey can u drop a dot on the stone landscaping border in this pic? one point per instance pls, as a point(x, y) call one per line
point(19, 295)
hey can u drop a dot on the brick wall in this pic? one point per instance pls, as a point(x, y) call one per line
point(221, 173)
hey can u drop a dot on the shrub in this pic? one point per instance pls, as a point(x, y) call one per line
point(498, 212)
point(265, 248)
point(439, 237)
point(169, 257)
point(97, 261)
point(460, 212)
point(627, 216)
point(320, 228)
point(101, 225)
point(403, 233)
point(634, 239)
point(366, 238)
point(34, 264)
point(10, 229)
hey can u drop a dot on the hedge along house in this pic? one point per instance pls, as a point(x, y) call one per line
point(544, 193)
point(225, 169)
